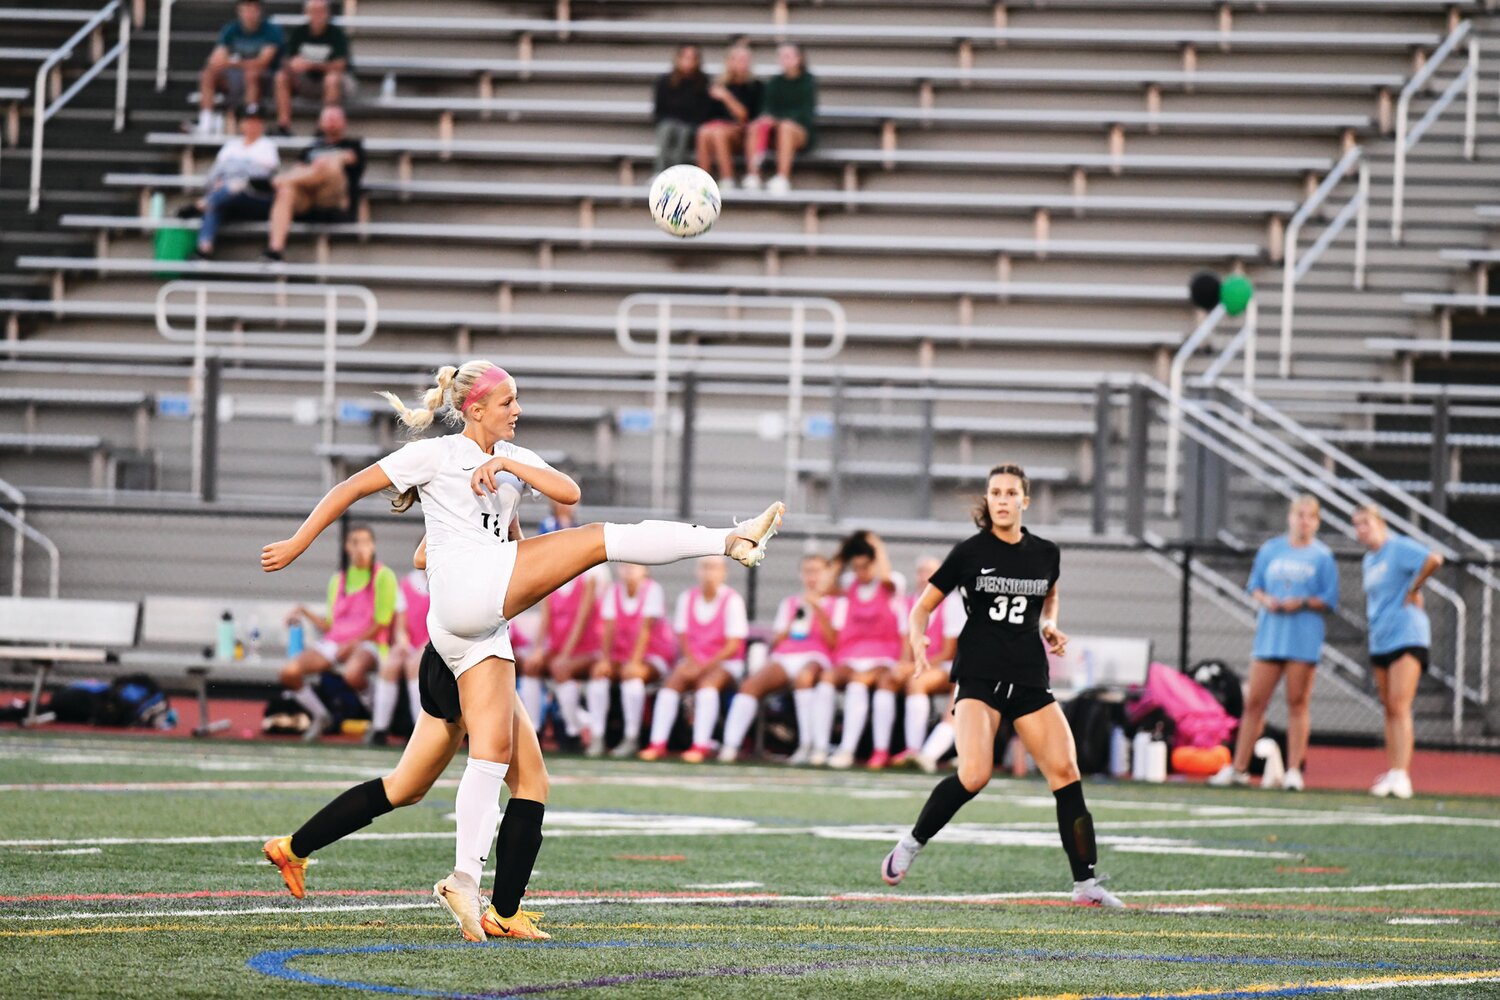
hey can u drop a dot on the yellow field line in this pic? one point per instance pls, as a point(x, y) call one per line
point(1391, 978)
point(256, 928)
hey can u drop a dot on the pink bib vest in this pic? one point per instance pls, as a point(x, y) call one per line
point(935, 637)
point(353, 614)
point(804, 636)
point(704, 639)
point(563, 605)
point(418, 600)
point(628, 624)
point(871, 629)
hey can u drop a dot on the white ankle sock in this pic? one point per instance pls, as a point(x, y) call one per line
point(705, 716)
point(737, 722)
point(825, 700)
point(478, 813)
point(531, 699)
point(386, 695)
point(802, 701)
point(567, 695)
point(856, 711)
point(664, 715)
point(414, 699)
point(633, 706)
point(917, 707)
point(939, 741)
point(596, 697)
point(308, 699)
point(653, 543)
point(883, 718)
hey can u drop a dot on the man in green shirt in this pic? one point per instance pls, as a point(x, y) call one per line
point(790, 116)
point(317, 57)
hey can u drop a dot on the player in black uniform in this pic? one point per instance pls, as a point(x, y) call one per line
point(1008, 579)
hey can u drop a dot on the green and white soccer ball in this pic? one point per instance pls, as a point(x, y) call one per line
point(684, 201)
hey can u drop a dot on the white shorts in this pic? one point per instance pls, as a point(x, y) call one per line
point(864, 664)
point(466, 621)
point(795, 663)
point(328, 649)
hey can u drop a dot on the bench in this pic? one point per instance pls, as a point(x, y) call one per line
point(48, 633)
point(34, 399)
point(63, 444)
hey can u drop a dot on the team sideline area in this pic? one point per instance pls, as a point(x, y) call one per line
point(718, 882)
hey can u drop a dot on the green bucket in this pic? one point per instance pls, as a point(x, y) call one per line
point(173, 244)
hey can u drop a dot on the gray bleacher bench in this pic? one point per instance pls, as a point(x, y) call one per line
point(33, 399)
point(48, 633)
point(63, 444)
point(344, 455)
point(1410, 346)
point(822, 468)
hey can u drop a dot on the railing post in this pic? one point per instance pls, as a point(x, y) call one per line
point(1101, 459)
point(1471, 99)
point(685, 454)
point(1362, 227)
point(1185, 608)
point(836, 453)
point(1440, 454)
point(925, 447)
point(213, 380)
point(1135, 492)
point(122, 70)
point(163, 44)
point(1288, 292)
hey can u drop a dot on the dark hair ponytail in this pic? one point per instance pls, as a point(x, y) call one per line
point(982, 508)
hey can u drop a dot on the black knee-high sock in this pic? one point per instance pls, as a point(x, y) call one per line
point(353, 810)
point(1076, 827)
point(516, 847)
point(947, 798)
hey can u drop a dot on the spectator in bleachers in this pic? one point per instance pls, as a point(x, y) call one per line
point(316, 60)
point(680, 105)
point(242, 63)
point(790, 115)
point(324, 187)
point(239, 185)
point(736, 99)
point(561, 517)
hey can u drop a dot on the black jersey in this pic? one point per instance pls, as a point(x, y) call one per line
point(1003, 587)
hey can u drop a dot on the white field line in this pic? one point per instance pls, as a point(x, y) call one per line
point(981, 897)
point(1396, 984)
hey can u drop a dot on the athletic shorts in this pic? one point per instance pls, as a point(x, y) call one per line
point(864, 664)
point(1382, 661)
point(466, 621)
point(437, 687)
point(795, 663)
point(1011, 700)
point(328, 649)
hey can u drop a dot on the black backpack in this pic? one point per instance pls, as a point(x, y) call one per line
point(1223, 683)
point(1091, 718)
point(133, 700)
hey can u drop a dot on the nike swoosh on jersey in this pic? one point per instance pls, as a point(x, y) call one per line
point(470, 468)
point(987, 569)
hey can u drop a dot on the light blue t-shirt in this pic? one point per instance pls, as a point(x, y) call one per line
point(1389, 574)
point(1284, 570)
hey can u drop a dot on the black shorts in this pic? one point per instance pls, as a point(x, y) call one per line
point(1011, 700)
point(1382, 661)
point(438, 688)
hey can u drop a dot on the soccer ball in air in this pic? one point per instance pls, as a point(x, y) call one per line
point(684, 201)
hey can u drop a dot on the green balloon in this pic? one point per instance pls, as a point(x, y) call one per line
point(1235, 294)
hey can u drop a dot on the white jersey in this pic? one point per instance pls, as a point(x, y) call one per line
point(441, 468)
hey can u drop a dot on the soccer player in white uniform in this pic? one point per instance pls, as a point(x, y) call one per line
point(470, 484)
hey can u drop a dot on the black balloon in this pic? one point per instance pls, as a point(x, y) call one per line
point(1203, 289)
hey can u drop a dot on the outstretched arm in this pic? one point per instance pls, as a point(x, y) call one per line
point(280, 555)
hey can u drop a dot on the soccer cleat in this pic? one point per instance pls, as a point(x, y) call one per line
point(655, 751)
point(1091, 892)
point(696, 754)
point(929, 765)
point(596, 745)
point(841, 761)
point(893, 869)
point(747, 546)
point(1291, 781)
point(800, 756)
point(278, 851)
point(1392, 784)
point(627, 748)
point(1227, 776)
point(878, 760)
point(523, 925)
point(728, 755)
point(459, 895)
point(817, 758)
point(906, 758)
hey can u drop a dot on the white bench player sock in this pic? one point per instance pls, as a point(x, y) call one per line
point(414, 700)
point(705, 715)
point(825, 700)
point(664, 715)
point(883, 718)
point(478, 812)
point(802, 701)
point(596, 697)
point(655, 543)
point(386, 695)
point(531, 699)
point(633, 706)
point(939, 741)
point(917, 708)
point(567, 705)
point(737, 723)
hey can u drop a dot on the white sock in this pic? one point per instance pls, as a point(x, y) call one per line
point(653, 543)
point(414, 699)
point(633, 706)
point(205, 119)
point(917, 707)
point(825, 700)
point(597, 698)
point(386, 695)
point(705, 715)
point(567, 695)
point(737, 723)
point(939, 741)
point(883, 718)
point(856, 711)
point(531, 698)
point(308, 699)
point(664, 715)
point(802, 700)
point(478, 811)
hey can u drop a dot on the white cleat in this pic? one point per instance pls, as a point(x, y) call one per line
point(459, 895)
point(747, 543)
point(929, 765)
point(728, 755)
point(1091, 892)
point(896, 864)
point(1227, 776)
point(818, 758)
point(841, 761)
point(596, 745)
point(802, 755)
point(1292, 780)
point(626, 750)
point(1392, 784)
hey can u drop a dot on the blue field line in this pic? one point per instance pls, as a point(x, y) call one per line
point(275, 964)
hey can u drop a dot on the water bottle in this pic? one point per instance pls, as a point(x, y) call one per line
point(1140, 749)
point(1156, 764)
point(224, 640)
point(254, 650)
point(294, 640)
point(1119, 753)
point(158, 205)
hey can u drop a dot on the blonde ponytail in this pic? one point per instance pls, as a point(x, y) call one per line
point(432, 401)
point(446, 397)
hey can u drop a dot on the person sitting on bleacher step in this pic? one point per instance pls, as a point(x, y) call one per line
point(241, 64)
point(324, 187)
point(239, 185)
point(317, 60)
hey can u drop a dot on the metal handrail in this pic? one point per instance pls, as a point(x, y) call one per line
point(1407, 140)
point(1292, 271)
point(42, 111)
point(1174, 383)
point(17, 521)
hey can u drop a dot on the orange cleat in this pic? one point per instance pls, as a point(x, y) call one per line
point(696, 754)
point(523, 925)
point(278, 851)
point(655, 751)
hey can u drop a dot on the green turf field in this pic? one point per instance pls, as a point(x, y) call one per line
point(131, 868)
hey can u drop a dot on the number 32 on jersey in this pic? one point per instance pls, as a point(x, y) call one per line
point(1007, 608)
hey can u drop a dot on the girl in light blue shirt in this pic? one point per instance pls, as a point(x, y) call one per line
point(1295, 582)
point(1395, 568)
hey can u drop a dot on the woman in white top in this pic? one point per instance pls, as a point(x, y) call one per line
point(470, 485)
